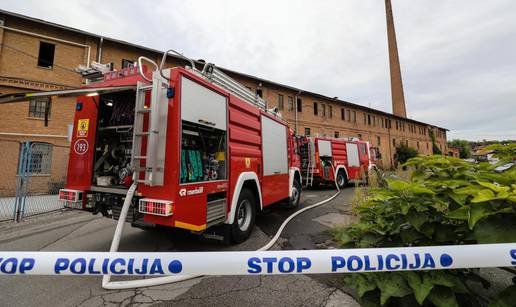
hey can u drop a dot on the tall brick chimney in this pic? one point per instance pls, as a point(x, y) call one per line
point(398, 98)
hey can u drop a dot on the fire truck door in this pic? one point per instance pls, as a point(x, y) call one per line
point(325, 159)
point(353, 160)
point(275, 178)
point(364, 159)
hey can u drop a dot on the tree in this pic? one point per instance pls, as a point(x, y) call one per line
point(464, 148)
point(404, 153)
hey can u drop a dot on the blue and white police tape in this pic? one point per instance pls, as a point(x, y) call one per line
point(259, 262)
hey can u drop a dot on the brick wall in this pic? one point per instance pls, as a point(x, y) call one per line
point(19, 72)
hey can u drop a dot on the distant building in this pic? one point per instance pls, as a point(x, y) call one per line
point(453, 151)
point(36, 55)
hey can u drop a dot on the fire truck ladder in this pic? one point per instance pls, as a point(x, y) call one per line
point(153, 162)
point(308, 154)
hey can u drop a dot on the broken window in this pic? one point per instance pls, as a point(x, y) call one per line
point(46, 55)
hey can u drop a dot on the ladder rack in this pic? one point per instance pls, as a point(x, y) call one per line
point(217, 77)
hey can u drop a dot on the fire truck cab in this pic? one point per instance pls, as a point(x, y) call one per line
point(202, 150)
point(328, 160)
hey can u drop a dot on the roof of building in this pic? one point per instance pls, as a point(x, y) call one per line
point(301, 91)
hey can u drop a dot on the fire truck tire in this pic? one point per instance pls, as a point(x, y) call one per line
point(293, 201)
point(342, 179)
point(244, 216)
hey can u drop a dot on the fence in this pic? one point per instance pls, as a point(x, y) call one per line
point(32, 174)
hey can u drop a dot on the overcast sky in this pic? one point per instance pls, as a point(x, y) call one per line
point(458, 57)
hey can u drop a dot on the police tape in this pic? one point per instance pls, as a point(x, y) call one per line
point(259, 262)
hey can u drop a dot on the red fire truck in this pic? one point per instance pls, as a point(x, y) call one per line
point(324, 158)
point(202, 149)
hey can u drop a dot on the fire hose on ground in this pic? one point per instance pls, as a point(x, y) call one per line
point(140, 283)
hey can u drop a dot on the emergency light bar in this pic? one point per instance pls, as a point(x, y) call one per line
point(156, 207)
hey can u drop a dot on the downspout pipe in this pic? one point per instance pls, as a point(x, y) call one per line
point(295, 111)
point(99, 51)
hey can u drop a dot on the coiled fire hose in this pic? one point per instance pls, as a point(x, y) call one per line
point(156, 281)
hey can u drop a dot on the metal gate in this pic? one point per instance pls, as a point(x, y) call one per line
point(36, 189)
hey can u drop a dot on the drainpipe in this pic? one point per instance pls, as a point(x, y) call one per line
point(99, 51)
point(295, 110)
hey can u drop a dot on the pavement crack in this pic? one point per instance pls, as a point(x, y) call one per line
point(66, 235)
point(327, 298)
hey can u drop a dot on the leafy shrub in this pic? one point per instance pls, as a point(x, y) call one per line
point(446, 201)
point(404, 153)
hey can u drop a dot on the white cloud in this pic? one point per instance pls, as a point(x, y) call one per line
point(458, 57)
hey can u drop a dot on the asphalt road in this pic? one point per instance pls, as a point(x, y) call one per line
point(80, 231)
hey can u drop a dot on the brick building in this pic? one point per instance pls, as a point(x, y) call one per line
point(36, 55)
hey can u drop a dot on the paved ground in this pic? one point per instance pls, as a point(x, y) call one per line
point(80, 231)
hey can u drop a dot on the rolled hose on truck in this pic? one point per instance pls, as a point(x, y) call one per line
point(140, 283)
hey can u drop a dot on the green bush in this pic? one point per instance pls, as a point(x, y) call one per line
point(404, 153)
point(446, 201)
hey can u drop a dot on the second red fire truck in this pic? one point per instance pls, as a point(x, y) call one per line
point(328, 160)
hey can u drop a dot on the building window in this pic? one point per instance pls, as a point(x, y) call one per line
point(316, 108)
point(330, 111)
point(307, 131)
point(378, 140)
point(127, 63)
point(418, 145)
point(40, 159)
point(39, 106)
point(323, 110)
point(46, 55)
point(290, 103)
point(342, 112)
point(360, 136)
point(365, 119)
point(406, 142)
point(280, 102)
point(336, 134)
point(369, 119)
point(299, 105)
point(394, 142)
point(259, 92)
point(374, 120)
point(348, 115)
point(354, 116)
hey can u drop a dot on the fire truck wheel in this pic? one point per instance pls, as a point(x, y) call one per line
point(293, 201)
point(244, 217)
point(342, 179)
